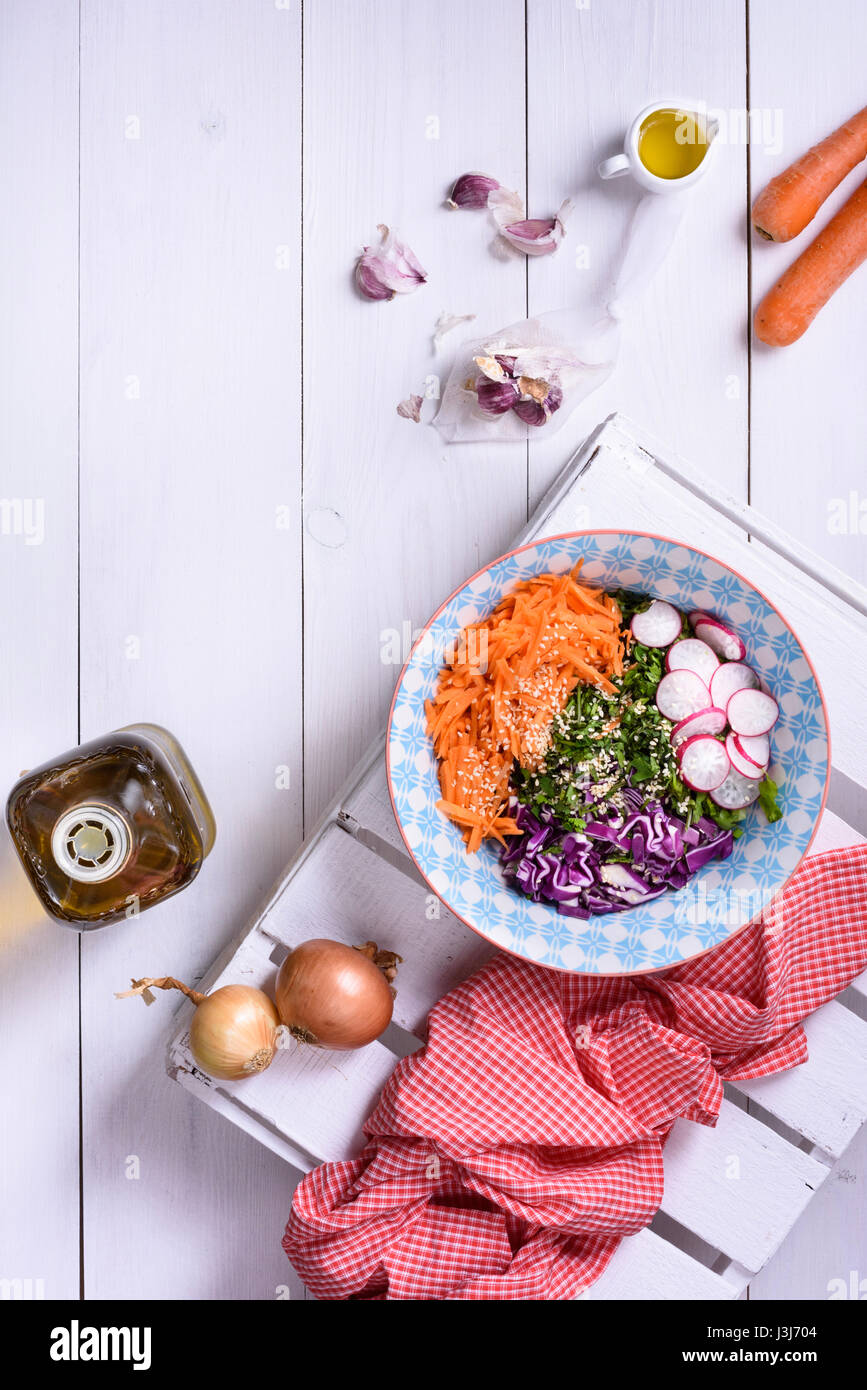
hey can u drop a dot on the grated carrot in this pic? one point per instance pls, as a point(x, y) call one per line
point(496, 706)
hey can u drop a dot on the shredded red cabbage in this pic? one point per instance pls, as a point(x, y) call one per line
point(621, 858)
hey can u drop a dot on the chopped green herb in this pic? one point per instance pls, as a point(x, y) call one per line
point(599, 739)
point(768, 800)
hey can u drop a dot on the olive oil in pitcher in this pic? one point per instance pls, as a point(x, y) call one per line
point(672, 144)
point(112, 827)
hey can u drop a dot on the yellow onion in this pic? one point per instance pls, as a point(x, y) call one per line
point(234, 1032)
point(336, 996)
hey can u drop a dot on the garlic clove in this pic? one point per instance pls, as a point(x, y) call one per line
point(389, 269)
point(531, 412)
point(553, 400)
point(496, 397)
point(534, 409)
point(533, 229)
point(369, 279)
point(536, 236)
point(472, 191)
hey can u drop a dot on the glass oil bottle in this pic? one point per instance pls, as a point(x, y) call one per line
point(112, 827)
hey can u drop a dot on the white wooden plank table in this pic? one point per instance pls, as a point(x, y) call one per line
point(38, 689)
point(227, 552)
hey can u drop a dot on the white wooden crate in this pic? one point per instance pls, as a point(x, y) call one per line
point(353, 880)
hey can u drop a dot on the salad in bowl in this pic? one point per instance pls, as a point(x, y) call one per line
point(607, 751)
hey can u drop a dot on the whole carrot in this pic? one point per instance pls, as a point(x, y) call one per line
point(793, 198)
point(789, 308)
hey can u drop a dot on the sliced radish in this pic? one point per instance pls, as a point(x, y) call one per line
point(734, 675)
point(698, 615)
point(657, 626)
point(681, 693)
point(721, 639)
point(757, 749)
point(752, 712)
point(739, 760)
point(736, 791)
point(706, 721)
point(704, 763)
point(689, 654)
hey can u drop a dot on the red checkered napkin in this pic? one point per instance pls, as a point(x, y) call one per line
point(507, 1159)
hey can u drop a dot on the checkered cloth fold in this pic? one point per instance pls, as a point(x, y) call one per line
point(507, 1159)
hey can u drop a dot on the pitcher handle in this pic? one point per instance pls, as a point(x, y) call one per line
point(615, 166)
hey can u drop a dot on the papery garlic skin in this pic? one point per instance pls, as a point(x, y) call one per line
point(506, 206)
point(471, 191)
point(492, 368)
point(446, 323)
point(410, 409)
point(389, 269)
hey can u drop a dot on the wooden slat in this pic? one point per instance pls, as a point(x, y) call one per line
point(348, 893)
point(859, 987)
point(394, 517)
point(647, 1268)
point(834, 833)
point(826, 1099)
point(682, 368)
point(823, 1254)
point(190, 408)
point(318, 1098)
point(739, 1186)
point(370, 804)
point(39, 1141)
point(807, 421)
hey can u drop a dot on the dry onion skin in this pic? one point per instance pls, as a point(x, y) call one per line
point(234, 1032)
point(336, 996)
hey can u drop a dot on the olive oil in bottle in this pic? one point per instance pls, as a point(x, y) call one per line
point(112, 827)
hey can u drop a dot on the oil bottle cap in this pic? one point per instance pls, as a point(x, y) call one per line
point(90, 842)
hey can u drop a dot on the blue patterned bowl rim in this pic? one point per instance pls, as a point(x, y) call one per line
point(720, 900)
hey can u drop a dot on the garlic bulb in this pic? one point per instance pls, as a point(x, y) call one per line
point(501, 387)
